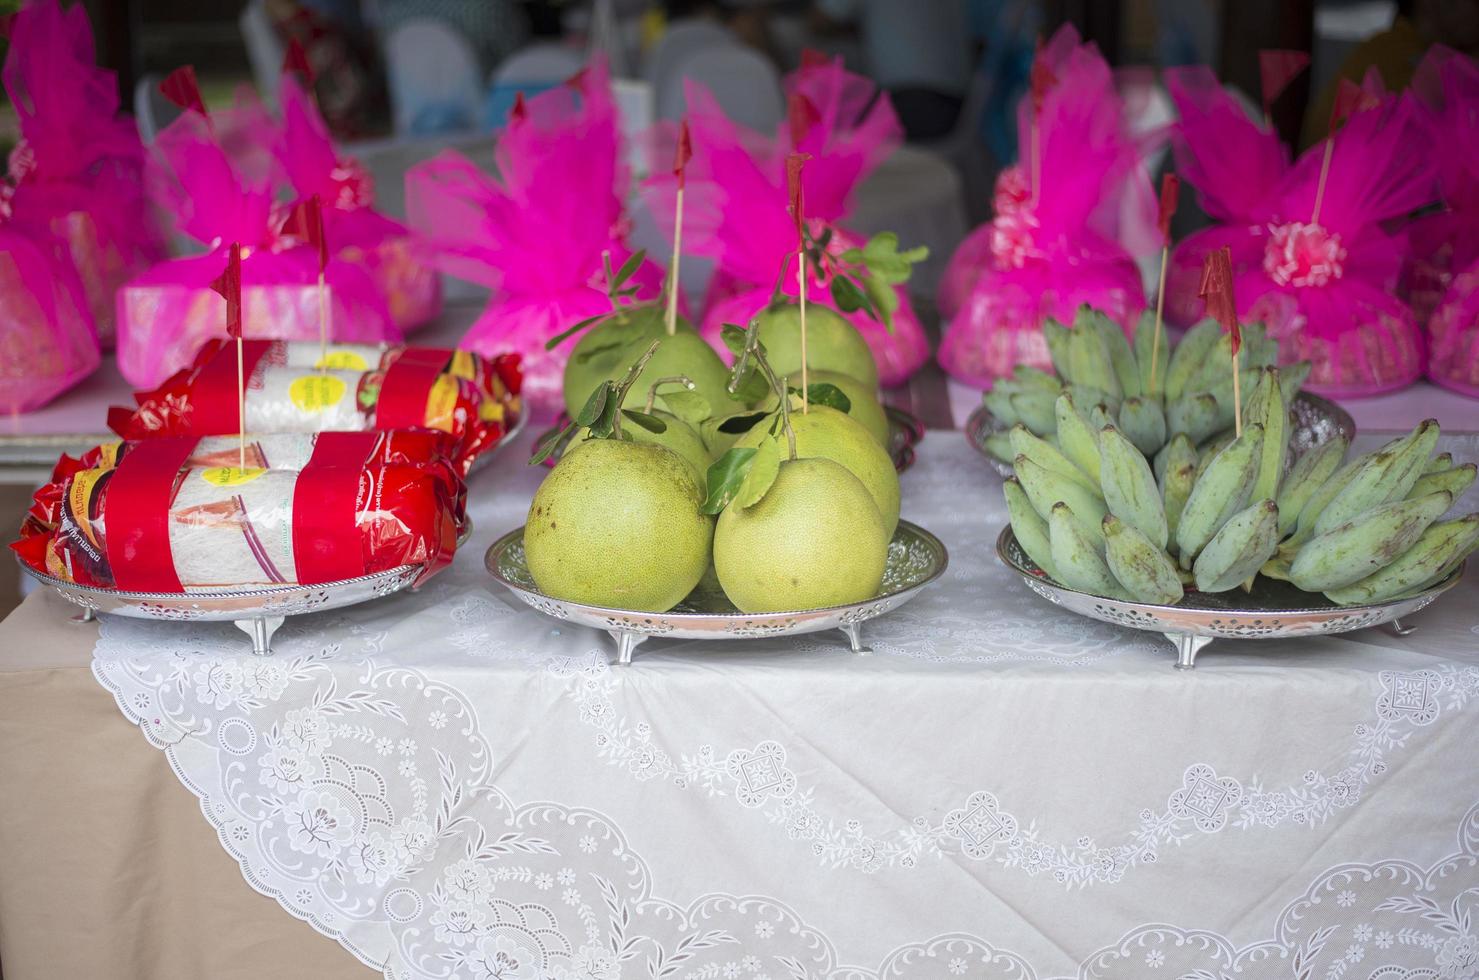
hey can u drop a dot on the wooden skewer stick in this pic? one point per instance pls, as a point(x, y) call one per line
point(1160, 306)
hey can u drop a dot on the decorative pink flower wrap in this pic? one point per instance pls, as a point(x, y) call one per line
point(1074, 245)
point(77, 172)
point(536, 233)
point(736, 196)
point(47, 340)
point(168, 311)
point(1325, 290)
point(355, 231)
point(1442, 276)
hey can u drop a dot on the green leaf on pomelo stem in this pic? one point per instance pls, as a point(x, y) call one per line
point(765, 466)
point(848, 297)
point(689, 406)
point(628, 269)
point(741, 423)
point(594, 405)
point(725, 476)
point(733, 336)
point(825, 393)
point(883, 298)
point(550, 443)
point(564, 335)
point(649, 422)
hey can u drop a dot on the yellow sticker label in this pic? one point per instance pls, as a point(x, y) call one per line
point(79, 500)
point(108, 454)
point(342, 360)
point(462, 365)
point(230, 476)
point(314, 393)
point(441, 402)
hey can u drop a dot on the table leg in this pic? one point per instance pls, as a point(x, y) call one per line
point(854, 633)
point(1401, 630)
point(626, 643)
point(1187, 647)
point(260, 630)
point(85, 616)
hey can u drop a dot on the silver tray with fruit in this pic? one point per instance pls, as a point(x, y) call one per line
point(915, 559)
point(1273, 610)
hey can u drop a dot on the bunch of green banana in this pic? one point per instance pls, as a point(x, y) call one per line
point(1111, 381)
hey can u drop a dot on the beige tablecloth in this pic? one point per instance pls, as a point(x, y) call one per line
point(107, 871)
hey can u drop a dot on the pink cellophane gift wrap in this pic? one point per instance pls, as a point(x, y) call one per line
point(355, 231)
point(1071, 243)
point(169, 310)
point(535, 234)
point(77, 172)
point(1442, 276)
point(47, 339)
point(1326, 289)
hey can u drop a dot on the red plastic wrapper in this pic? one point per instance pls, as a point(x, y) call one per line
point(287, 391)
point(154, 523)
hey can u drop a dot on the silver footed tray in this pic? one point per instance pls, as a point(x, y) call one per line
point(1273, 610)
point(904, 433)
point(1316, 420)
point(258, 612)
point(915, 559)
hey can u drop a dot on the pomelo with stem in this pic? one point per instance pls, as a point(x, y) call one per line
point(832, 343)
point(864, 406)
point(613, 342)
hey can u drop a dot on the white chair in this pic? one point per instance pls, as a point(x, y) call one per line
point(265, 49)
point(541, 64)
point(681, 40)
point(151, 109)
point(745, 84)
point(435, 84)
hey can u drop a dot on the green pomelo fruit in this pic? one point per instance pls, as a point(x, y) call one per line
point(617, 524)
point(607, 350)
point(830, 434)
point(679, 437)
point(865, 409)
point(814, 540)
point(832, 344)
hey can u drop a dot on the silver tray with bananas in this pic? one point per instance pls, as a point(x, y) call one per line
point(915, 559)
point(1273, 610)
point(1316, 420)
point(904, 433)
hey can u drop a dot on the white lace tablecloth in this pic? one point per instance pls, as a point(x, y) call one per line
point(454, 786)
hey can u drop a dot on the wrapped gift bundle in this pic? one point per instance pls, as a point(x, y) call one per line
point(1443, 269)
point(77, 172)
point(736, 197)
point(168, 311)
point(408, 393)
point(47, 339)
point(356, 232)
point(156, 521)
point(1066, 230)
point(1323, 281)
point(536, 233)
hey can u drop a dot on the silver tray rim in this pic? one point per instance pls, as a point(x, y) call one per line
point(720, 626)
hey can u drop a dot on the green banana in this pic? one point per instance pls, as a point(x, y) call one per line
point(1056, 335)
point(1431, 558)
point(1144, 570)
point(1438, 464)
point(1142, 420)
point(1320, 499)
point(1305, 477)
point(1292, 378)
point(1088, 359)
point(1145, 342)
point(1236, 552)
point(1266, 408)
point(1049, 457)
point(1036, 378)
point(1076, 439)
point(1029, 527)
point(1374, 538)
point(1186, 360)
point(1174, 492)
point(1099, 417)
point(1455, 480)
point(1389, 478)
point(1076, 554)
point(1121, 358)
point(1176, 453)
point(1034, 409)
point(1129, 487)
point(1220, 492)
point(1195, 415)
point(999, 445)
point(1046, 488)
point(1276, 567)
point(998, 402)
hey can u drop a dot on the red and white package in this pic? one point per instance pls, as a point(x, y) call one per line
point(155, 523)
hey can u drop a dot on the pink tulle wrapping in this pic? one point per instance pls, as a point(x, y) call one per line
point(168, 311)
point(78, 169)
point(736, 197)
point(1074, 245)
point(358, 233)
point(1453, 335)
point(1325, 289)
point(47, 340)
point(536, 233)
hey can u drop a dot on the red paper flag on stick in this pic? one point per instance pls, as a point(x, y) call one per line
point(682, 154)
point(1040, 79)
point(1217, 290)
point(802, 116)
point(305, 222)
point(795, 162)
point(812, 58)
point(228, 284)
point(1350, 99)
point(1276, 69)
point(181, 88)
point(295, 61)
point(1170, 193)
point(520, 111)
